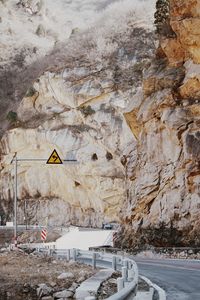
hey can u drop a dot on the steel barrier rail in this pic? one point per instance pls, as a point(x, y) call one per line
point(125, 293)
point(126, 285)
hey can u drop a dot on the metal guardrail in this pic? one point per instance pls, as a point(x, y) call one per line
point(126, 285)
point(22, 227)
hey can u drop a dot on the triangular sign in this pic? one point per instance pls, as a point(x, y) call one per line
point(54, 158)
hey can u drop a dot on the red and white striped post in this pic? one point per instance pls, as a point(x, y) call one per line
point(44, 234)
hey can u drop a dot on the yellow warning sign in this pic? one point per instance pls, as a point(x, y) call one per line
point(54, 158)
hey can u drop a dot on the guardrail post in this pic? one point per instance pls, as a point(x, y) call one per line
point(130, 264)
point(114, 263)
point(124, 273)
point(119, 260)
point(131, 274)
point(68, 254)
point(151, 290)
point(136, 271)
point(120, 284)
point(94, 260)
point(74, 254)
point(125, 263)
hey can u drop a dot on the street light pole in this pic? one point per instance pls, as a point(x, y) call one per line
point(15, 203)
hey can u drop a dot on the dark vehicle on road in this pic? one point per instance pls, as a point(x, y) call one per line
point(107, 226)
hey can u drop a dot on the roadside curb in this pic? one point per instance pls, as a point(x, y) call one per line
point(161, 292)
point(91, 285)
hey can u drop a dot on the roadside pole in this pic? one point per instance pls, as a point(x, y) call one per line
point(53, 159)
point(15, 204)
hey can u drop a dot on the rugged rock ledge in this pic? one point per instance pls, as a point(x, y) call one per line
point(147, 179)
point(164, 205)
point(77, 107)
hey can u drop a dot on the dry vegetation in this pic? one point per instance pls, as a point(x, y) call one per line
point(107, 37)
point(22, 273)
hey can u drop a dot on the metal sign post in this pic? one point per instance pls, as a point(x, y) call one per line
point(15, 204)
point(16, 160)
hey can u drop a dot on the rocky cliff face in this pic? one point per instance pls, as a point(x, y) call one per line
point(77, 107)
point(30, 30)
point(130, 114)
point(165, 201)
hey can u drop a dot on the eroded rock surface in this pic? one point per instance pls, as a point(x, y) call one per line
point(130, 115)
point(77, 107)
point(165, 200)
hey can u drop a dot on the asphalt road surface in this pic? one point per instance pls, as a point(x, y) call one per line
point(179, 278)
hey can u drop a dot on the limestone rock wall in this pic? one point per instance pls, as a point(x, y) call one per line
point(32, 29)
point(165, 200)
point(65, 86)
point(77, 109)
point(87, 193)
point(131, 118)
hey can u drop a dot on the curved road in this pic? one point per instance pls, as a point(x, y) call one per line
point(179, 278)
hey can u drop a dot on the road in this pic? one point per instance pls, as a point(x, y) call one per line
point(179, 278)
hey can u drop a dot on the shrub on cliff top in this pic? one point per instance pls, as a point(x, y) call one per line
point(87, 110)
point(12, 116)
point(31, 91)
